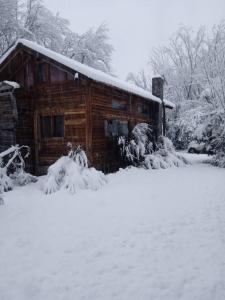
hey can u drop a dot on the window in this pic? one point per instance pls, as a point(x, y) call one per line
point(58, 126)
point(115, 128)
point(46, 126)
point(143, 109)
point(41, 73)
point(52, 126)
point(120, 105)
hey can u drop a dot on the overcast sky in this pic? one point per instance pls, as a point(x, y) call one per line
point(137, 26)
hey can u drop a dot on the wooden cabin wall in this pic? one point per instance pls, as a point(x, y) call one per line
point(8, 120)
point(105, 156)
point(66, 99)
point(57, 93)
point(49, 90)
point(24, 126)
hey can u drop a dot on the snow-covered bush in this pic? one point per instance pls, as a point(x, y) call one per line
point(140, 144)
point(164, 157)
point(71, 173)
point(12, 168)
point(143, 151)
point(215, 132)
point(187, 123)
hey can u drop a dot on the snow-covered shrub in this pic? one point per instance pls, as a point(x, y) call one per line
point(164, 157)
point(6, 183)
point(71, 173)
point(215, 132)
point(219, 160)
point(143, 151)
point(20, 177)
point(140, 144)
point(187, 123)
point(12, 167)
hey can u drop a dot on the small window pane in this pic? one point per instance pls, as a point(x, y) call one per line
point(115, 128)
point(58, 126)
point(46, 127)
point(121, 105)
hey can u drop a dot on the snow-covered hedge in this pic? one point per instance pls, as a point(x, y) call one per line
point(71, 173)
point(214, 129)
point(142, 151)
point(12, 168)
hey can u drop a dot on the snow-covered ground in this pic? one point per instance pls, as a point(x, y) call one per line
point(147, 234)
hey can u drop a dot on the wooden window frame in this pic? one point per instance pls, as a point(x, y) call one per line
point(118, 125)
point(52, 128)
point(120, 105)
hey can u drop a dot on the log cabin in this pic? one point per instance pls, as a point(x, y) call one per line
point(48, 100)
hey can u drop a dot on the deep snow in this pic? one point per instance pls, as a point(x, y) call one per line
point(147, 234)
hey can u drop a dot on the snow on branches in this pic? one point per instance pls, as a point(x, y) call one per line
point(32, 20)
point(71, 173)
point(12, 168)
point(142, 151)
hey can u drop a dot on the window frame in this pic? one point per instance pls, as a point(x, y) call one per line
point(52, 126)
point(120, 105)
point(117, 125)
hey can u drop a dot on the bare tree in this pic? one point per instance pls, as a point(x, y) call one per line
point(141, 80)
point(179, 63)
point(32, 20)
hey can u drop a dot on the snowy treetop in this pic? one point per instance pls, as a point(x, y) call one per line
point(86, 70)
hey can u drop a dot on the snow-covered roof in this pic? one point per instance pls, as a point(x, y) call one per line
point(86, 70)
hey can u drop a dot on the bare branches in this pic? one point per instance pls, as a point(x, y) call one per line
point(30, 19)
point(12, 167)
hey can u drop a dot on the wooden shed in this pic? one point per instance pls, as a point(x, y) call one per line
point(48, 100)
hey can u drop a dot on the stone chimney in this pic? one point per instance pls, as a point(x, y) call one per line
point(157, 87)
point(157, 90)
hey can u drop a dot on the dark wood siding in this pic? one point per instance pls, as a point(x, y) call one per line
point(83, 104)
point(8, 120)
point(104, 152)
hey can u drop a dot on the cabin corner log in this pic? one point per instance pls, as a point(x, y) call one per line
point(8, 119)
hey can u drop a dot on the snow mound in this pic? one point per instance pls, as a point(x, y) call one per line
point(70, 174)
point(163, 160)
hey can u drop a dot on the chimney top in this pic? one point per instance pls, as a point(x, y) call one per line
point(157, 86)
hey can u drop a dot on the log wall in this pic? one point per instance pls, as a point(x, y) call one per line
point(85, 105)
point(104, 154)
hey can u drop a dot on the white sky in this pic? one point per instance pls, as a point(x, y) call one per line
point(137, 26)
